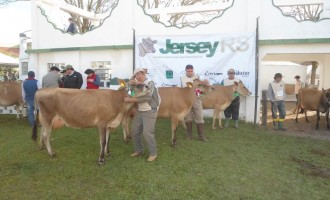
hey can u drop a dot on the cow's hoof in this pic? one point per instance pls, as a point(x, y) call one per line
point(173, 144)
point(53, 155)
point(213, 128)
point(101, 162)
point(108, 154)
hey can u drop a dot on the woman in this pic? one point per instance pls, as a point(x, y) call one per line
point(93, 80)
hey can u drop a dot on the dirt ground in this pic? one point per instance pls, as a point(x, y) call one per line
point(301, 128)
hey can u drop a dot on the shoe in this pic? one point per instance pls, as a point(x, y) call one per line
point(151, 158)
point(136, 154)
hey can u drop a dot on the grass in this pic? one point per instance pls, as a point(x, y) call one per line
point(245, 163)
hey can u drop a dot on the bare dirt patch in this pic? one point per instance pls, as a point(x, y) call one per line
point(301, 128)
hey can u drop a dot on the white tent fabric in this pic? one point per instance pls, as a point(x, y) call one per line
point(7, 60)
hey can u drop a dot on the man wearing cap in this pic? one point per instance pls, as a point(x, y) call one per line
point(196, 112)
point(52, 78)
point(297, 87)
point(276, 94)
point(73, 79)
point(145, 119)
point(93, 80)
point(232, 111)
point(29, 89)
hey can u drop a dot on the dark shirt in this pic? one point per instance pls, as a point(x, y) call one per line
point(74, 80)
point(72, 28)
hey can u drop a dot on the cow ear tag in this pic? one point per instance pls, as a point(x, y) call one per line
point(189, 85)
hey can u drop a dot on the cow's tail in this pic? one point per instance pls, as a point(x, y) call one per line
point(35, 125)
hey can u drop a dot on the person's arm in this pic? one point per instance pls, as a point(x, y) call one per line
point(79, 80)
point(38, 84)
point(97, 80)
point(270, 93)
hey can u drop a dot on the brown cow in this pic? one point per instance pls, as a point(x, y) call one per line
point(104, 109)
point(314, 100)
point(177, 102)
point(11, 94)
point(221, 98)
point(289, 89)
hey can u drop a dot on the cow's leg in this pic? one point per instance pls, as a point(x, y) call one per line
point(305, 111)
point(327, 118)
point(126, 129)
point(220, 118)
point(174, 125)
point(102, 135)
point(17, 106)
point(45, 138)
point(297, 108)
point(107, 146)
point(318, 119)
point(215, 114)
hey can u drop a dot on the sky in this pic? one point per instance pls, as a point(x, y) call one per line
point(15, 18)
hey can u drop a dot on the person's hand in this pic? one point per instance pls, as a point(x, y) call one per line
point(89, 80)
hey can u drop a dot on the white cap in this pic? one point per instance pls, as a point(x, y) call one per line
point(139, 70)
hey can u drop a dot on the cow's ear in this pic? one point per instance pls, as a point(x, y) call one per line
point(189, 85)
point(235, 82)
point(121, 83)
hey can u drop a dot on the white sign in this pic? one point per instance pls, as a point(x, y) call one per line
point(165, 57)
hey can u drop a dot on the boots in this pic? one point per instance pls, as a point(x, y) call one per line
point(275, 124)
point(189, 130)
point(280, 125)
point(200, 129)
point(226, 122)
point(236, 123)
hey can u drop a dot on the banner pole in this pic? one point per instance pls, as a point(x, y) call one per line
point(256, 74)
point(133, 51)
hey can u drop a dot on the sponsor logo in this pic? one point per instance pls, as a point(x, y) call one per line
point(238, 44)
point(207, 73)
point(168, 85)
point(242, 73)
point(146, 46)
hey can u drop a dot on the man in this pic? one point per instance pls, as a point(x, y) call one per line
point(232, 111)
point(29, 89)
point(72, 27)
point(145, 119)
point(196, 112)
point(297, 87)
point(73, 79)
point(52, 78)
point(276, 94)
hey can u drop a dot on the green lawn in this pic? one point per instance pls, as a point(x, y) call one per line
point(243, 163)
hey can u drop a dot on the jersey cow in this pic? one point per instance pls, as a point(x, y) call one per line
point(104, 109)
point(314, 100)
point(11, 94)
point(221, 98)
point(177, 102)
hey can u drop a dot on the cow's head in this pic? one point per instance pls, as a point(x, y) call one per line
point(202, 87)
point(241, 89)
point(139, 90)
point(326, 96)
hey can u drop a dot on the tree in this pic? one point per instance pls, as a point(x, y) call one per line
point(182, 19)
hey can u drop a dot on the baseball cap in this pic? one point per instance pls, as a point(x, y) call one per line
point(55, 69)
point(139, 70)
point(68, 67)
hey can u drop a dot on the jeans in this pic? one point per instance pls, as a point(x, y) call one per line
point(30, 107)
point(280, 106)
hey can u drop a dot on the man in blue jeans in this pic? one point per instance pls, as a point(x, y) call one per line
point(29, 89)
point(276, 94)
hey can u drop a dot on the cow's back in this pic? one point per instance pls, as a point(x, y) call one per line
point(221, 95)
point(80, 108)
point(10, 93)
point(175, 101)
point(309, 99)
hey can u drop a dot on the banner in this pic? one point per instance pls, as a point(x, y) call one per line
point(165, 57)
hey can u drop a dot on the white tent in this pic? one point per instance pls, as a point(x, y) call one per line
point(8, 61)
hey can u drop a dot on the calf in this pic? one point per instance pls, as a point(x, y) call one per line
point(314, 100)
point(104, 109)
point(221, 98)
point(11, 94)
